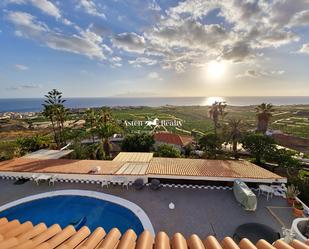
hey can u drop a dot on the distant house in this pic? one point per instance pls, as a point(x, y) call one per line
point(178, 141)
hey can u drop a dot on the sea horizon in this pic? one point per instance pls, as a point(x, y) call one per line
point(35, 104)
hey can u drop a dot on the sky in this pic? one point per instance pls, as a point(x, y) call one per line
point(117, 48)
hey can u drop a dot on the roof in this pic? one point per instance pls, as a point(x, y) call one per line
point(65, 166)
point(134, 157)
point(208, 168)
point(48, 154)
point(144, 164)
point(172, 138)
point(27, 235)
point(133, 169)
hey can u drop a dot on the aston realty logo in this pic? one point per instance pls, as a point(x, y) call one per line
point(154, 123)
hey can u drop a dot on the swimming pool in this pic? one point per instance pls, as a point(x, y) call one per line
point(72, 208)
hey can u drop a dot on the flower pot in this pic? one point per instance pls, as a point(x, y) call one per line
point(291, 201)
point(298, 212)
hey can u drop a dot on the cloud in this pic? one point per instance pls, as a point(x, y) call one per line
point(153, 5)
point(24, 87)
point(44, 5)
point(301, 18)
point(85, 42)
point(189, 34)
point(21, 67)
point(130, 42)
point(260, 73)
point(154, 76)
point(90, 7)
point(47, 7)
point(140, 61)
point(304, 49)
point(237, 52)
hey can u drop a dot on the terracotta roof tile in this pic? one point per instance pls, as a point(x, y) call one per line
point(208, 168)
point(84, 239)
point(172, 138)
point(65, 166)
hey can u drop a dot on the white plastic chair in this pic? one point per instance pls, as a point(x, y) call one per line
point(105, 183)
point(52, 180)
point(126, 184)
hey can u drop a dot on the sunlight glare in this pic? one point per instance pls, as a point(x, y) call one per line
point(210, 100)
point(215, 69)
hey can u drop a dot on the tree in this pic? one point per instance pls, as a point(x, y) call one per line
point(31, 144)
point(138, 142)
point(56, 112)
point(264, 113)
point(166, 150)
point(91, 122)
point(216, 111)
point(234, 134)
point(211, 144)
point(284, 158)
point(106, 126)
point(258, 145)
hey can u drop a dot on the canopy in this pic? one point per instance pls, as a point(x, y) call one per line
point(244, 195)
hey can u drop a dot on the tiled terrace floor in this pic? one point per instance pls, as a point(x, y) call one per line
point(200, 211)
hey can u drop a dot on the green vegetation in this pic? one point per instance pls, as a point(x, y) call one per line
point(259, 146)
point(30, 144)
point(89, 132)
point(138, 142)
point(210, 144)
point(166, 150)
point(9, 150)
point(264, 113)
point(233, 134)
point(55, 111)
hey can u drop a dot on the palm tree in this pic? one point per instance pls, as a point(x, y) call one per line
point(91, 118)
point(264, 113)
point(234, 133)
point(106, 126)
point(56, 112)
point(216, 111)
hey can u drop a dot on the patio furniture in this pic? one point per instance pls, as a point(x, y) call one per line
point(244, 195)
point(118, 180)
point(105, 183)
point(125, 184)
point(138, 184)
point(41, 178)
point(254, 232)
point(269, 191)
point(52, 180)
point(155, 184)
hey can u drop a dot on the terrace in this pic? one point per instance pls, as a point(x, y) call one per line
point(200, 207)
point(208, 211)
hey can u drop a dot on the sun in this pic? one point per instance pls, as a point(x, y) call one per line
point(215, 69)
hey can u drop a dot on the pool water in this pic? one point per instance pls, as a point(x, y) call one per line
point(77, 211)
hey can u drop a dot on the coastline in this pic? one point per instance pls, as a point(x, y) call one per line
point(24, 105)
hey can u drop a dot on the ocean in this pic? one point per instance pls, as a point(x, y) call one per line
point(35, 104)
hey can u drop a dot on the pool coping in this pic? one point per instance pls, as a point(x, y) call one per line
point(138, 211)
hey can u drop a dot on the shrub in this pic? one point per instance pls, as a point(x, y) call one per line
point(166, 150)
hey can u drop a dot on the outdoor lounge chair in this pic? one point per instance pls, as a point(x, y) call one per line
point(41, 178)
point(126, 184)
point(52, 180)
point(155, 184)
point(269, 191)
point(105, 183)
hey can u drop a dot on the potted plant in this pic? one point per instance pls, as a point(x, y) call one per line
point(291, 193)
point(298, 209)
